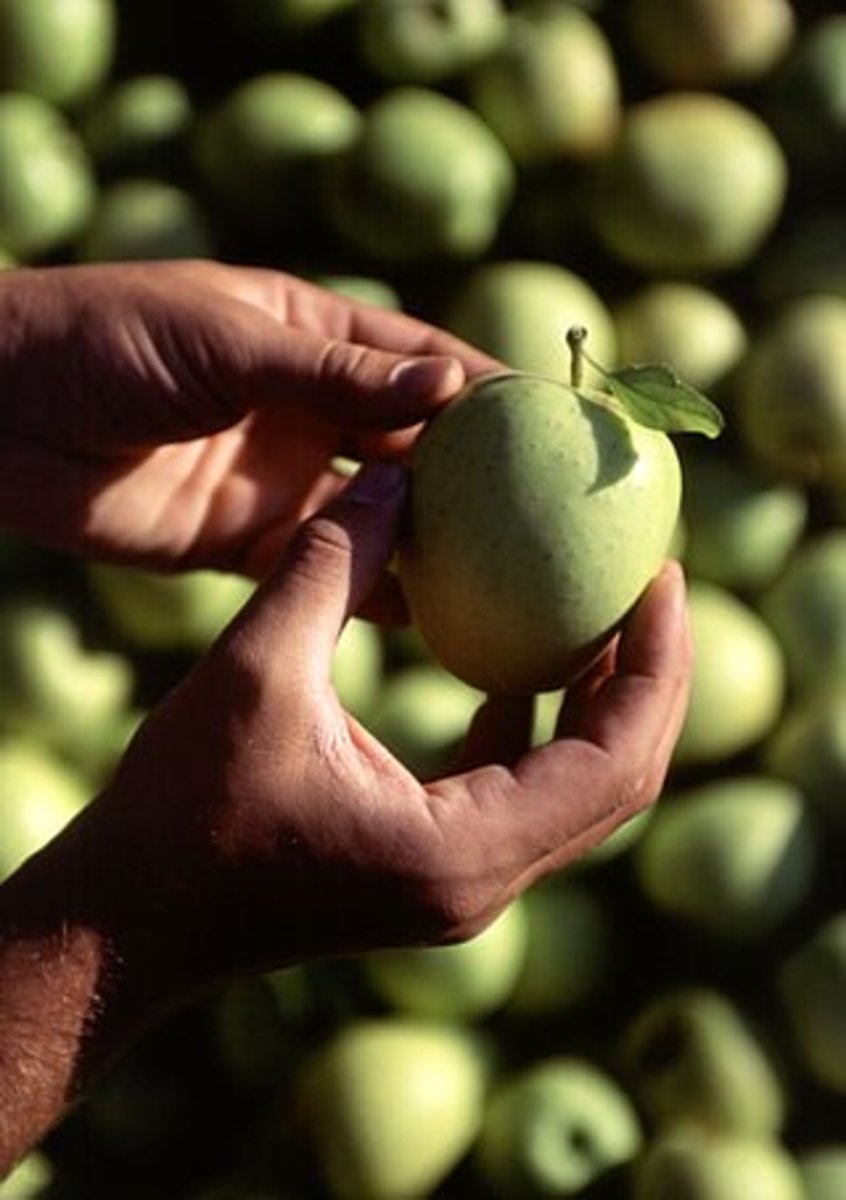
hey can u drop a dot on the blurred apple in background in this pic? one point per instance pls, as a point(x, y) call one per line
point(391, 1105)
point(807, 256)
point(357, 667)
point(552, 89)
point(61, 50)
point(520, 312)
point(47, 185)
point(690, 1056)
point(791, 393)
point(30, 1179)
point(690, 327)
point(426, 177)
point(281, 18)
point(421, 42)
point(808, 748)
point(711, 43)
point(740, 526)
point(694, 184)
point(733, 857)
point(463, 982)
point(422, 716)
point(140, 218)
point(696, 1165)
point(554, 1128)
point(812, 982)
point(739, 685)
point(806, 608)
point(823, 1170)
point(139, 125)
point(367, 288)
point(155, 612)
point(39, 795)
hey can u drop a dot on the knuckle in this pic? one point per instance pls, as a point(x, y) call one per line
point(320, 553)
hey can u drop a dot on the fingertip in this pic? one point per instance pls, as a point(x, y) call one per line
point(656, 637)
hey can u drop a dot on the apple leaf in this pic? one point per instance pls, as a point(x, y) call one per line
point(653, 395)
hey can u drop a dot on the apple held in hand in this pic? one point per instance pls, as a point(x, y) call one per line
point(538, 514)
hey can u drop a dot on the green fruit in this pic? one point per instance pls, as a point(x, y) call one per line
point(462, 982)
point(426, 178)
point(138, 125)
point(791, 392)
point(537, 518)
point(739, 677)
point(807, 100)
point(685, 324)
point(694, 183)
point(740, 527)
point(391, 1106)
point(520, 313)
point(553, 1129)
point(421, 42)
point(806, 608)
point(808, 749)
point(710, 43)
point(689, 1164)
point(140, 218)
point(363, 288)
point(39, 795)
point(823, 1170)
point(733, 856)
point(812, 982)
point(47, 188)
point(285, 17)
point(168, 612)
point(30, 1179)
point(808, 257)
point(422, 715)
point(551, 90)
point(357, 667)
point(60, 50)
point(690, 1056)
point(261, 148)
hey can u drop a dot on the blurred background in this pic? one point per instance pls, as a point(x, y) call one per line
point(668, 1019)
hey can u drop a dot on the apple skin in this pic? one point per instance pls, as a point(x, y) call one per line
point(791, 392)
point(554, 1128)
point(808, 748)
point(732, 857)
point(690, 1164)
point(138, 125)
point(823, 1170)
point(418, 42)
point(39, 795)
point(391, 1105)
point(60, 50)
point(690, 1056)
point(138, 218)
point(536, 520)
point(694, 184)
point(812, 984)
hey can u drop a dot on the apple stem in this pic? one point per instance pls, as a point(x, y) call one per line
point(576, 336)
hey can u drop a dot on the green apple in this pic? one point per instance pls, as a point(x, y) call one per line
point(690, 1056)
point(39, 795)
point(282, 18)
point(739, 681)
point(711, 43)
point(422, 715)
point(61, 50)
point(740, 526)
point(734, 856)
point(260, 149)
point(569, 949)
point(554, 1128)
point(537, 517)
point(812, 983)
point(167, 612)
point(145, 218)
point(138, 125)
point(520, 312)
point(791, 392)
point(357, 667)
point(47, 186)
point(365, 288)
point(691, 1164)
point(52, 685)
point(551, 90)
point(823, 1170)
point(466, 981)
point(690, 326)
point(426, 178)
point(30, 1179)
point(694, 183)
point(806, 608)
point(808, 256)
point(805, 104)
point(427, 41)
point(391, 1105)
point(808, 748)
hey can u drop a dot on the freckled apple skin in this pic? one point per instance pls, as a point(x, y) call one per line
point(537, 518)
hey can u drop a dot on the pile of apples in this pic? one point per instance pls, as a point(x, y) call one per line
point(667, 1020)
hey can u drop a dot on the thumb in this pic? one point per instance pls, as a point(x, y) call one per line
point(295, 616)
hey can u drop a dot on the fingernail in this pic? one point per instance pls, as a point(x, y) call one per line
point(427, 377)
point(375, 482)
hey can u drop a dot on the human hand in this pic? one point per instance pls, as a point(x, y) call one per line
point(187, 414)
